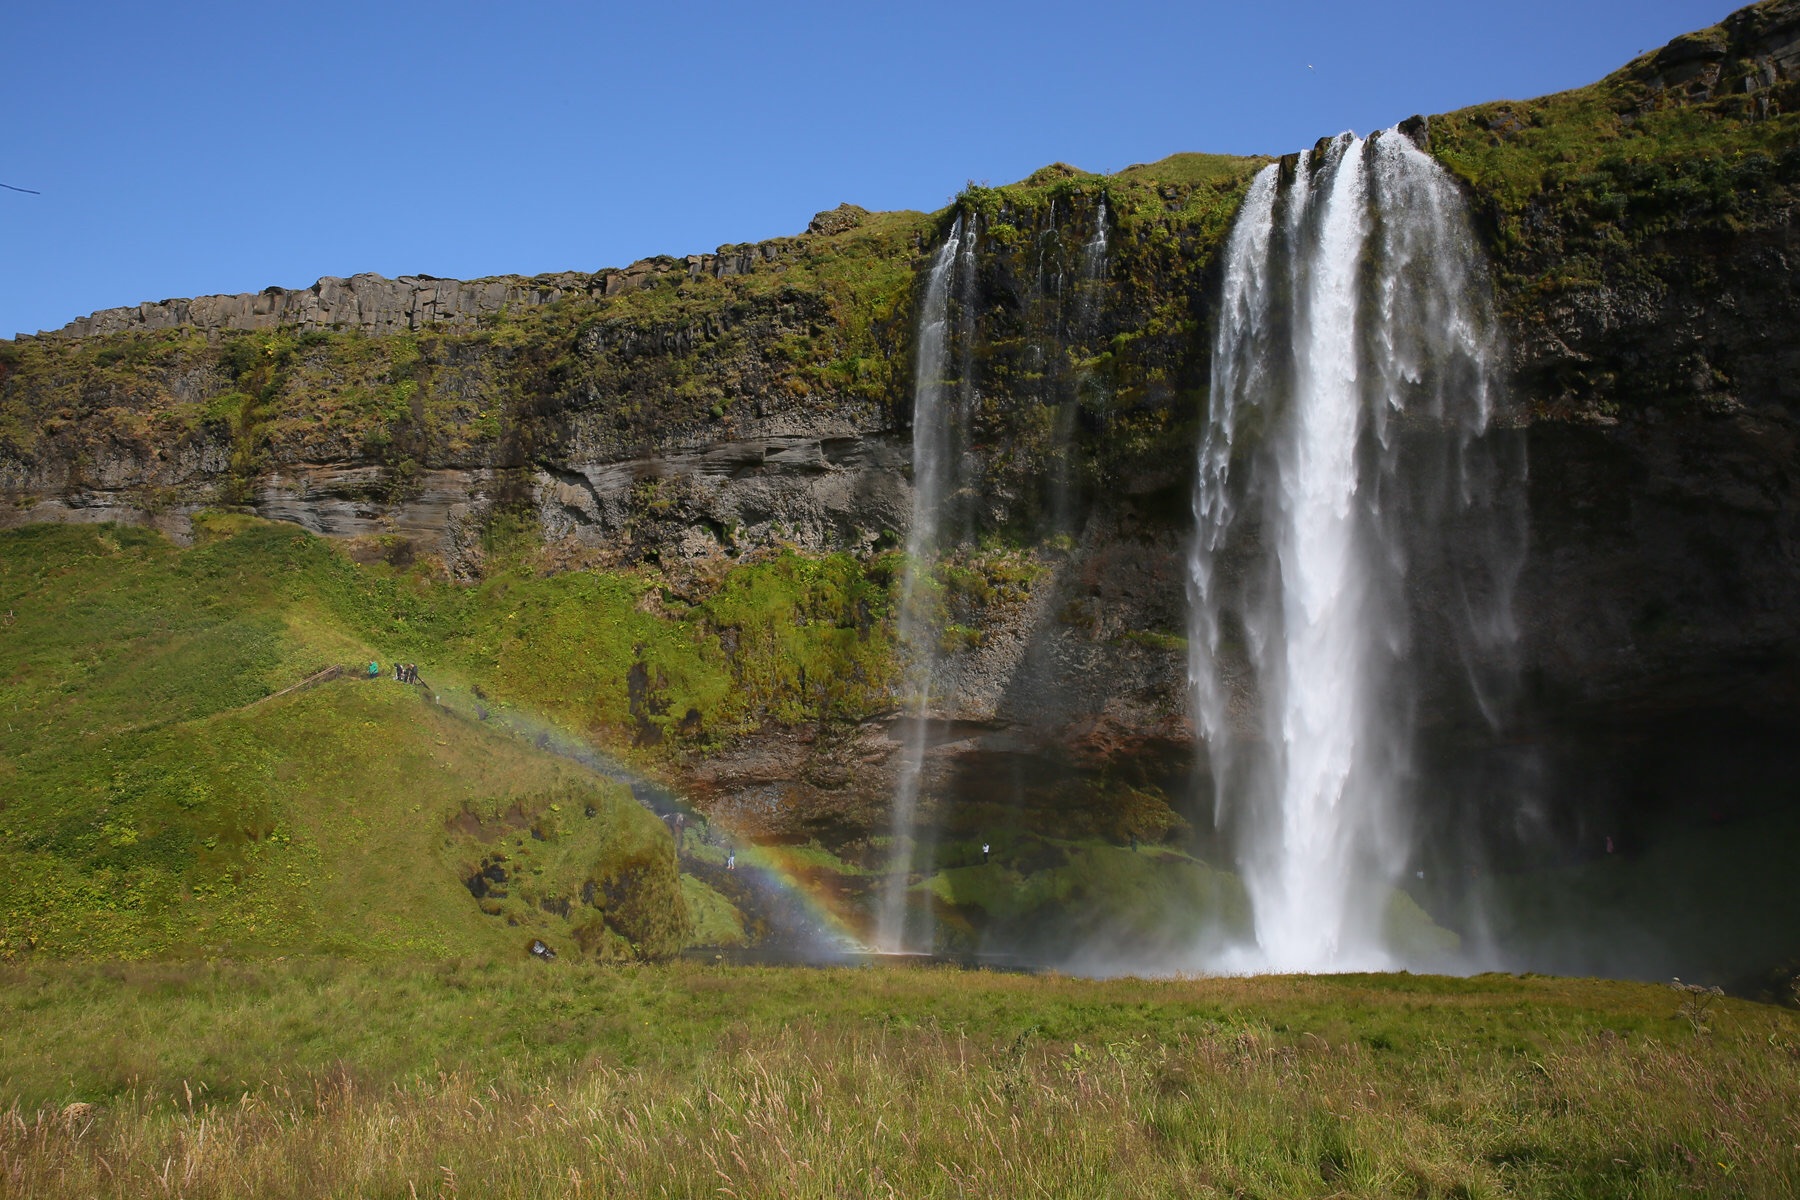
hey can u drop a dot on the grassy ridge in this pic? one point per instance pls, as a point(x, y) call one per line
point(1578, 190)
point(311, 1078)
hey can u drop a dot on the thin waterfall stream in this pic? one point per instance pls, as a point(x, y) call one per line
point(939, 442)
point(1356, 508)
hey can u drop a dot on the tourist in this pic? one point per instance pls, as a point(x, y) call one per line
point(374, 669)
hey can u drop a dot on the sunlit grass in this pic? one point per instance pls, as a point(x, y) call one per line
point(318, 1078)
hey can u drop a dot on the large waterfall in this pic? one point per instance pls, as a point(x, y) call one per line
point(940, 422)
point(1358, 528)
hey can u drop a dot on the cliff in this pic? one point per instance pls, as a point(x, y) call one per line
point(686, 423)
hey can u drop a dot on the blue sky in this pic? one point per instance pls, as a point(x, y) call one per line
point(184, 149)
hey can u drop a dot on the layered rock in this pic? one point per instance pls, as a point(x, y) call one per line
point(374, 304)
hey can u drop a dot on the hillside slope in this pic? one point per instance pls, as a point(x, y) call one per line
point(160, 799)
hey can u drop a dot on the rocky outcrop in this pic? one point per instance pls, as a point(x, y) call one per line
point(1751, 51)
point(373, 304)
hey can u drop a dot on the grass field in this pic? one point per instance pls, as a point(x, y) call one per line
point(475, 1078)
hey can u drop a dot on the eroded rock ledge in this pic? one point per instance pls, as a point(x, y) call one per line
point(375, 304)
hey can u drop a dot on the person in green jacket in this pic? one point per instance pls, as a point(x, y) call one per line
point(374, 669)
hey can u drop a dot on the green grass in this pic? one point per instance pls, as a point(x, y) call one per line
point(716, 921)
point(155, 803)
point(1191, 170)
point(465, 1077)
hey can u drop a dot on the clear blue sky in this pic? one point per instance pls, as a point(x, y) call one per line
point(191, 148)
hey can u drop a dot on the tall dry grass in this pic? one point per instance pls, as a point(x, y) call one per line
point(830, 1109)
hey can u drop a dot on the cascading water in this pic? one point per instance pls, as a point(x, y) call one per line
point(940, 420)
point(1353, 501)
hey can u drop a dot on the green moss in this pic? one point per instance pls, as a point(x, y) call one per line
point(580, 867)
point(1156, 640)
point(716, 923)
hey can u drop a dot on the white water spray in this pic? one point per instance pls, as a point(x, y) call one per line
point(1345, 459)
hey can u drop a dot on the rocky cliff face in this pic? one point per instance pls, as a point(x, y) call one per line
point(1645, 243)
point(375, 305)
point(684, 415)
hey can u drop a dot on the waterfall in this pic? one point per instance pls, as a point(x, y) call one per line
point(939, 440)
point(1358, 520)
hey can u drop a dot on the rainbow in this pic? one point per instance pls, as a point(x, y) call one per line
point(834, 925)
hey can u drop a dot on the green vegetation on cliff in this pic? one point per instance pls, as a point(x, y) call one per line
point(815, 326)
point(1580, 192)
point(1623, 200)
point(1086, 378)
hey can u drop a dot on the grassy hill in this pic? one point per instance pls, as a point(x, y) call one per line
point(160, 799)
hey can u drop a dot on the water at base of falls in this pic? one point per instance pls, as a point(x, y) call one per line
point(1347, 470)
